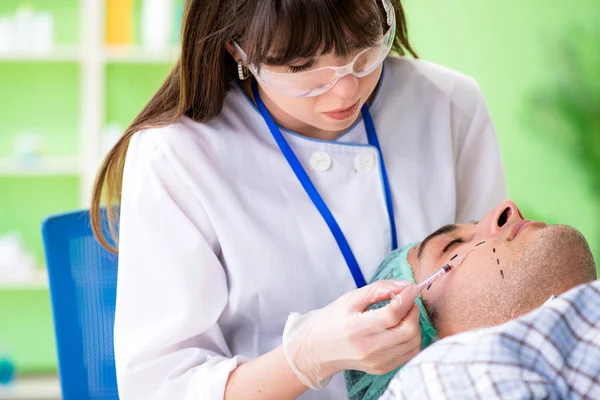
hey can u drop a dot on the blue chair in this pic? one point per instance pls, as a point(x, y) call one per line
point(83, 281)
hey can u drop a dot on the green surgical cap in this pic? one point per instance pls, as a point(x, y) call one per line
point(362, 386)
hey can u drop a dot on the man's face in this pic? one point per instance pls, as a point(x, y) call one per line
point(503, 254)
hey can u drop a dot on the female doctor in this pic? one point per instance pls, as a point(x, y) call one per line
point(284, 157)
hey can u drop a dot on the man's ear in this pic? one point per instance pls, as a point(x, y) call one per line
point(232, 50)
point(412, 259)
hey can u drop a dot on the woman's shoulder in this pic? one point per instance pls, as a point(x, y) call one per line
point(179, 156)
point(432, 82)
point(178, 139)
point(186, 138)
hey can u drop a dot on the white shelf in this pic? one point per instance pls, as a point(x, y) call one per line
point(39, 282)
point(32, 388)
point(139, 55)
point(110, 54)
point(21, 286)
point(59, 54)
point(55, 166)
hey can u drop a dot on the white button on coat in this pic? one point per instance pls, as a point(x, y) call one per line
point(364, 162)
point(320, 161)
point(219, 242)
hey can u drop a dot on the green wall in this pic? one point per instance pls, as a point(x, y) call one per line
point(128, 89)
point(45, 103)
point(26, 331)
point(506, 46)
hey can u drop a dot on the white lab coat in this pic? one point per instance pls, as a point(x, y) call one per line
point(219, 242)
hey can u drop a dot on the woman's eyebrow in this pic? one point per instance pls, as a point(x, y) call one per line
point(278, 62)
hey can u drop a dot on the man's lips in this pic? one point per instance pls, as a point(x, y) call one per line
point(518, 227)
point(514, 231)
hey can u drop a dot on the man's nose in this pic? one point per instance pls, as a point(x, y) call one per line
point(504, 214)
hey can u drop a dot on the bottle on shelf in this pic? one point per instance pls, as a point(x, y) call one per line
point(157, 19)
point(28, 150)
point(17, 264)
point(177, 22)
point(7, 371)
point(119, 22)
point(27, 32)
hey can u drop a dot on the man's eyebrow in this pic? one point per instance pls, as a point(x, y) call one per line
point(442, 231)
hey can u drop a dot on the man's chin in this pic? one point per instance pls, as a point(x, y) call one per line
point(559, 258)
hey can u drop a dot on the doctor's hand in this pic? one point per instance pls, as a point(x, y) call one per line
point(344, 335)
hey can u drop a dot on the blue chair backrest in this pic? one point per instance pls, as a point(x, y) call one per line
point(83, 281)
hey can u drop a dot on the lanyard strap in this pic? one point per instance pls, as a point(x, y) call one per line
point(314, 195)
point(373, 141)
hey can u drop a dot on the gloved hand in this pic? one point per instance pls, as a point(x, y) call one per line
point(343, 335)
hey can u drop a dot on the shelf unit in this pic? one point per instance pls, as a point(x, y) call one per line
point(58, 54)
point(109, 54)
point(78, 88)
point(94, 61)
point(33, 388)
point(92, 56)
point(139, 55)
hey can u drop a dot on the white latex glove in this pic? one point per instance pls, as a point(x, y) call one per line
point(343, 335)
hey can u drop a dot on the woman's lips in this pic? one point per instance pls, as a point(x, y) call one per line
point(340, 115)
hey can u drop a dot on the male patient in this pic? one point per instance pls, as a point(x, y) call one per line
point(511, 266)
point(519, 265)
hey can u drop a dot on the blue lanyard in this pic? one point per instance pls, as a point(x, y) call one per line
point(314, 195)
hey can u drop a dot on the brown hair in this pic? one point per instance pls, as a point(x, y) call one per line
point(277, 31)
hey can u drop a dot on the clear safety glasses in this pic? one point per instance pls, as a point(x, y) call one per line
point(318, 81)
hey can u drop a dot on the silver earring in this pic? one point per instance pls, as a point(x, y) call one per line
point(243, 72)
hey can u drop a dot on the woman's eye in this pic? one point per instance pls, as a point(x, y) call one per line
point(452, 243)
point(301, 68)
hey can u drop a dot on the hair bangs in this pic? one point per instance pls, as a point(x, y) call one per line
point(281, 32)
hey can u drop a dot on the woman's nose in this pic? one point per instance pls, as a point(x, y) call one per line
point(345, 87)
point(504, 214)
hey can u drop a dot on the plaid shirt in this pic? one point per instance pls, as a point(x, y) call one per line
point(550, 353)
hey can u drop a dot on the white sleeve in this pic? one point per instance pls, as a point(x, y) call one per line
point(171, 286)
point(480, 180)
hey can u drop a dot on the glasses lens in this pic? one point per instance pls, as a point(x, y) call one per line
point(299, 84)
point(366, 60)
point(313, 83)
